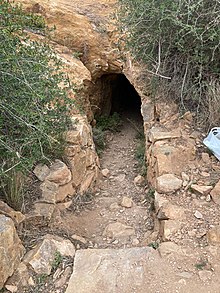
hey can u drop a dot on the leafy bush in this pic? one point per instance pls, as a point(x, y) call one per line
point(105, 123)
point(180, 43)
point(33, 106)
point(111, 122)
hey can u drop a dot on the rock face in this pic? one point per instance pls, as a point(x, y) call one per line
point(11, 249)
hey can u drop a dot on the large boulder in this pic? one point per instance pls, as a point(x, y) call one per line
point(11, 249)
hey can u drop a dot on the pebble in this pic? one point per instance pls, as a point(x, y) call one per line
point(198, 215)
point(105, 172)
point(126, 202)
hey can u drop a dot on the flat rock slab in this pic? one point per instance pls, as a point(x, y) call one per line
point(131, 270)
point(115, 271)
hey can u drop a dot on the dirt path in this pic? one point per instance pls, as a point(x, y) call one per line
point(107, 207)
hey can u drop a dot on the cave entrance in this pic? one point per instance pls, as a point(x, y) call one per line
point(119, 95)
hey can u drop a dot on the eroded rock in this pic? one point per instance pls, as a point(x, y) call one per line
point(215, 193)
point(59, 173)
point(42, 256)
point(16, 216)
point(213, 235)
point(11, 249)
point(118, 231)
point(126, 202)
point(168, 183)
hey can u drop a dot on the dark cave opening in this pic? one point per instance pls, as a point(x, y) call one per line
point(119, 95)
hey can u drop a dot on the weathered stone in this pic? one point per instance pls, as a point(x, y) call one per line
point(159, 201)
point(49, 191)
point(105, 172)
point(64, 205)
point(213, 235)
point(65, 190)
point(87, 181)
point(157, 133)
point(59, 173)
point(170, 248)
point(205, 275)
point(118, 231)
point(11, 288)
point(171, 211)
point(126, 202)
point(43, 210)
point(198, 215)
point(63, 278)
point(78, 168)
point(201, 189)
point(215, 193)
point(41, 171)
point(169, 228)
point(114, 206)
point(11, 249)
point(206, 158)
point(42, 256)
point(150, 237)
point(79, 238)
point(139, 180)
point(17, 217)
point(168, 183)
point(169, 159)
point(20, 278)
point(118, 270)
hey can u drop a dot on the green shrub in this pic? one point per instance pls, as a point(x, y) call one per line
point(112, 122)
point(179, 41)
point(33, 106)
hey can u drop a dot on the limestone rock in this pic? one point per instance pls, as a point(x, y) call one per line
point(118, 231)
point(170, 248)
point(65, 190)
point(42, 210)
point(159, 134)
point(118, 270)
point(126, 202)
point(49, 191)
point(201, 189)
point(168, 183)
point(11, 288)
point(171, 211)
point(105, 172)
point(64, 205)
point(42, 256)
point(63, 278)
point(169, 228)
point(11, 249)
point(114, 206)
point(159, 201)
point(139, 180)
point(215, 193)
point(20, 278)
point(41, 171)
point(59, 173)
point(79, 238)
point(78, 168)
point(16, 216)
point(87, 181)
point(213, 235)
